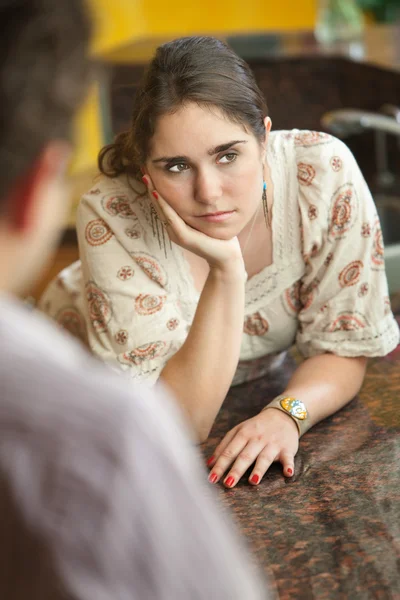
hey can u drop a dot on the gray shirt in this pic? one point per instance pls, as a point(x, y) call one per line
point(102, 496)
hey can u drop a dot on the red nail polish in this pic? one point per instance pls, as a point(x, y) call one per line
point(289, 471)
point(145, 180)
point(210, 461)
point(212, 477)
point(155, 195)
point(255, 479)
point(230, 481)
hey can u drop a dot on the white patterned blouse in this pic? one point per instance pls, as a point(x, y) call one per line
point(326, 289)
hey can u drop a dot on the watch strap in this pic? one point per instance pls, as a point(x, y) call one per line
point(293, 407)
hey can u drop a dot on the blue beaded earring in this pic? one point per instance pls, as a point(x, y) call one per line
point(265, 204)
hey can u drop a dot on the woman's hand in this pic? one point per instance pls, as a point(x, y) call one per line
point(268, 437)
point(218, 253)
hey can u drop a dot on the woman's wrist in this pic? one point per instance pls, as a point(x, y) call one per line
point(231, 271)
point(280, 417)
point(292, 408)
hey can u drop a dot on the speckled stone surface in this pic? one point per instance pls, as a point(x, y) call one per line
point(333, 530)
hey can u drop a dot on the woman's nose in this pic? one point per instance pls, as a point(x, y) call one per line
point(208, 188)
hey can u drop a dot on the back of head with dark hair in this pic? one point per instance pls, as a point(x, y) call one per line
point(43, 76)
point(203, 70)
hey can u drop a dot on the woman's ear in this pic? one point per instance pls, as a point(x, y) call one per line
point(267, 125)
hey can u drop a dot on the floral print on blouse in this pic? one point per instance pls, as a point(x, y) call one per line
point(133, 302)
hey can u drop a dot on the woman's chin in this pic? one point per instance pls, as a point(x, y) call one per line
point(225, 235)
point(215, 230)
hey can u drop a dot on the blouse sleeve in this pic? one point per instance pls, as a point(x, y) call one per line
point(343, 293)
point(134, 319)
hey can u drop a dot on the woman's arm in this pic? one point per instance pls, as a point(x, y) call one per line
point(326, 383)
point(201, 372)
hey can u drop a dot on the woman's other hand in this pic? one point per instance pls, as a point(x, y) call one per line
point(268, 437)
point(218, 253)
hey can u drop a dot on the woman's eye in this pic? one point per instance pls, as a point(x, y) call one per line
point(178, 168)
point(228, 158)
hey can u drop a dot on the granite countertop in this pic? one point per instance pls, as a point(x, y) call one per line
point(333, 530)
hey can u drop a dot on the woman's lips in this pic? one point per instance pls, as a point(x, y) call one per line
point(218, 216)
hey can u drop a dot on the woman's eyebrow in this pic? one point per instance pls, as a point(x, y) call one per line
point(168, 159)
point(223, 147)
point(211, 152)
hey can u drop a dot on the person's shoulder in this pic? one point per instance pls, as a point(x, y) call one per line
point(115, 195)
point(114, 209)
point(124, 184)
point(314, 144)
point(307, 153)
point(303, 138)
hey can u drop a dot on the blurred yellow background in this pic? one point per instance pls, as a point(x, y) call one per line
point(123, 21)
point(129, 31)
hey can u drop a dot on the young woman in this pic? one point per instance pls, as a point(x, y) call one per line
point(210, 245)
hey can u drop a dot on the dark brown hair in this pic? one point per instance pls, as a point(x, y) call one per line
point(43, 76)
point(203, 70)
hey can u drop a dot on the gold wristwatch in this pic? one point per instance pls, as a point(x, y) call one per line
point(294, 408)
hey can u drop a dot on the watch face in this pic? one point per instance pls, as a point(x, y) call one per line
point(294, 407)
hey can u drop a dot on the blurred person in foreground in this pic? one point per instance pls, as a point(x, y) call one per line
point(101, 494)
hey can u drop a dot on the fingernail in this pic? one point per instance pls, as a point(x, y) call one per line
point(210, 461)
point(212, 477)
point(155, 195)
point(145, 180)
point(230, 481)
point(289, 471)
point(255, 479)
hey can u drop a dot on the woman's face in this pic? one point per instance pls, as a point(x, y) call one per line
point(208, 168)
